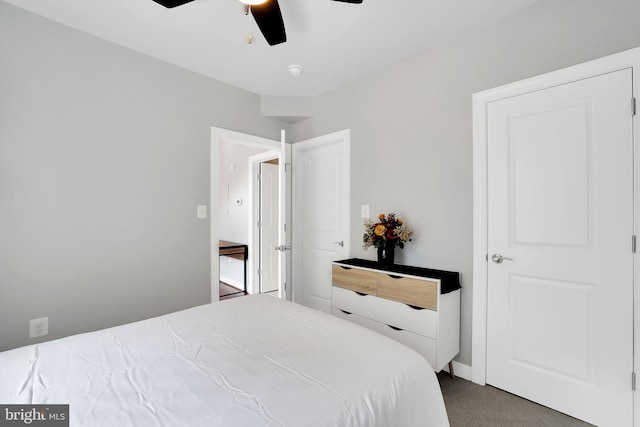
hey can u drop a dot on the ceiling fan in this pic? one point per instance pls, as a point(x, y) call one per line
point(266, 13)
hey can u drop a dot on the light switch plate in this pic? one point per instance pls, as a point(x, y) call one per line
point(201, 212)
point(365, 211)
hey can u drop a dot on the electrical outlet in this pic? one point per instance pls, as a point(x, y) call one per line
point(38, 327)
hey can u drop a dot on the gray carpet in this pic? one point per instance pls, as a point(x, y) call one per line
point(469, 404)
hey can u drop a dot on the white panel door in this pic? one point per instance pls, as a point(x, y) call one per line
point(269, 221)
point(321, 215)
point(560, 213)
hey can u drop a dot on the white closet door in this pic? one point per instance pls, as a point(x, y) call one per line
point(321, 215)
point(560, 209)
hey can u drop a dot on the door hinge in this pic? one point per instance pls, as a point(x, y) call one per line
point(259, 272)
point(633, 381)
point(287, 166)
point(259, 224)
point(633, 106)
point(259, 177)
point(633, 244)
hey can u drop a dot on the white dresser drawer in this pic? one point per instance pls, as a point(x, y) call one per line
point(423, 321)
point(423, 345)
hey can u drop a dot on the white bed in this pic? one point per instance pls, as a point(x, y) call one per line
point(248, 361)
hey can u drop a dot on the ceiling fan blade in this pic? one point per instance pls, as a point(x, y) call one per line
point(172, 3)
point(269, 20)
point(350, 1)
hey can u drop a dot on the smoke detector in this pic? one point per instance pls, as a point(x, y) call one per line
point(295, 70)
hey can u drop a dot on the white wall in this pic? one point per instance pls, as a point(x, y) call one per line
point(234, 175)
point(412, 127)
point(104, 155)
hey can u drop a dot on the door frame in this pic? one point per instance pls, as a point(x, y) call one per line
point(218, 135)
point(481, 100)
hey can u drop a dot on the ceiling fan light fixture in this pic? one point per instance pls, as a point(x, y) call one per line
point(252, 2)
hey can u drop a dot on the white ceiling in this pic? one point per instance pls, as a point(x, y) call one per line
point(335, 42)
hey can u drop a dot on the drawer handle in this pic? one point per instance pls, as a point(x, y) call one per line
point(345, 268)
point(345, 312)
point(395, 329)
point(394, 277)
point(415, 307)
point(362, 294)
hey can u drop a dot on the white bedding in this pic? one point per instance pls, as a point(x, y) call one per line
point(248, 361)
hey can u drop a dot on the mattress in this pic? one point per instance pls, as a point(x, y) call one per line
point(249, 361)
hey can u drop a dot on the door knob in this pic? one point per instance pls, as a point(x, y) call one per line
point(341, 243)
point(497, 258)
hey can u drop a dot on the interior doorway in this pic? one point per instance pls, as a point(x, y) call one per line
point(232, 207)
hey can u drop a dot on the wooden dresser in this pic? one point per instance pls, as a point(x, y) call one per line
point(418, 307)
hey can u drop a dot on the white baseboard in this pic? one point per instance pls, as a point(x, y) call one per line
point(460, 370)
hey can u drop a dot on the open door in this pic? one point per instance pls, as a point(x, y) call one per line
point(284, 235)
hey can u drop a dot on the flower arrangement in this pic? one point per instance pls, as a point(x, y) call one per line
point(388, 231)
